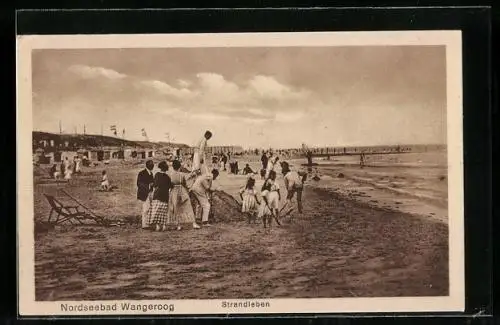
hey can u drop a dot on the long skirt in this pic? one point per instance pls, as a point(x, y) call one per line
point(159, 213)
point(249, 204)
point(180, 209)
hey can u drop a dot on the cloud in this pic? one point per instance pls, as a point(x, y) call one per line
point(184, 83)
point(269, 88)
point(88, 72)
point(212, 82)
point(166, 89)
point(205, 96)
point(213, 91)
point(258, 98)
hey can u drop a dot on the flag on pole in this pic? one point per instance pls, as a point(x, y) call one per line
point(113, 129)
point(144, 134)
point(123, 132)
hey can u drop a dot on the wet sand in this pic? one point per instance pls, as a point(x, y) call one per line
point(342, 246)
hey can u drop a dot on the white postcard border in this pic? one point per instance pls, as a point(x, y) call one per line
point(26, 279)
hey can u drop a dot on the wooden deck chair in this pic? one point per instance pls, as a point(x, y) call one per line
point(63, 213)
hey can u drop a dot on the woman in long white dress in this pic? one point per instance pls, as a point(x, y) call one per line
point(180, 210)
point(78, 162)
point(68, 169)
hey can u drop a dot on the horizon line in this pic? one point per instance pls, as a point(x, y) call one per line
point(250, 147)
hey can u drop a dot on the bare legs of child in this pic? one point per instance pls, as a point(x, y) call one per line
point(252, 217)
point(267, 220)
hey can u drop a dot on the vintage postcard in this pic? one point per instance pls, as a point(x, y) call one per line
point(256, 173)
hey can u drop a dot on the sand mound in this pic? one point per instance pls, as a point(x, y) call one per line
point(225, 208)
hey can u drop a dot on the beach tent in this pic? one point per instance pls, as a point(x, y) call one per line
point(118, 154)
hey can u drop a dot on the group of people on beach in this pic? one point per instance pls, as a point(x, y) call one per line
point(66, 169)
point(166, 197)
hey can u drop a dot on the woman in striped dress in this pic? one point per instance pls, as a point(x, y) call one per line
point(249, 200)
point(180, 209)
point(161, 186)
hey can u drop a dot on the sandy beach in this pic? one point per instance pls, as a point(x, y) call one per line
point(379, 231)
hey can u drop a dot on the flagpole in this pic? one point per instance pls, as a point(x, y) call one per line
point(144, 134)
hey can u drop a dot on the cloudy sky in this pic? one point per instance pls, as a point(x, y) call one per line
point(280, 97)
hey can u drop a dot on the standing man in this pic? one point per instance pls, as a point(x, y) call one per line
point(202, 189)
point(294, 183)
point(145, 182)
point(67, 165)
point(271, 165)
point(199, 153)
point(224, 161)
point(215, 162)
point(78, 165)
point(264, 160)
point(362, 160)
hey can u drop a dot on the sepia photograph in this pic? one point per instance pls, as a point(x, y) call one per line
point(275, 174)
